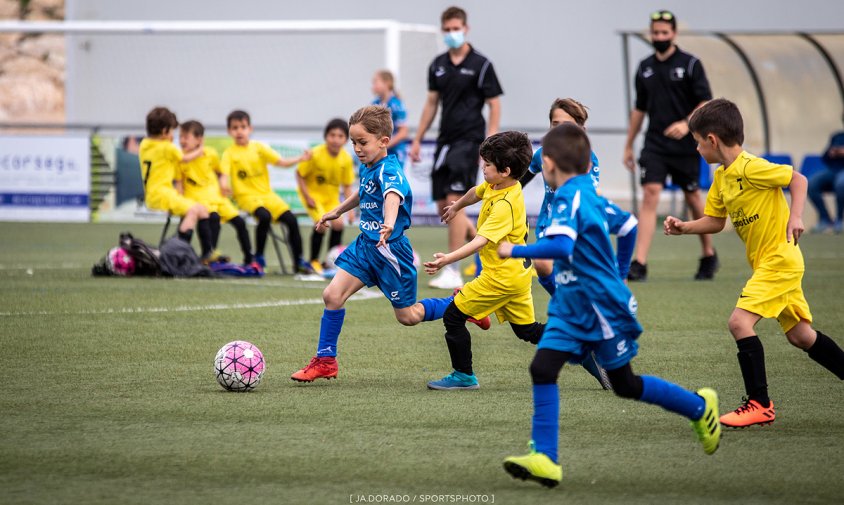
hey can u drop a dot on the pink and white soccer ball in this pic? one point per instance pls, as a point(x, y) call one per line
point(122, 263)
point(332, 255)
point(239, 366)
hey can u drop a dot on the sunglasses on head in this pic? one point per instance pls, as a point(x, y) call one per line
point(662, 16)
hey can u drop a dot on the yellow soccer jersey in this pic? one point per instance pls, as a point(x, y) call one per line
point(503, 217)
point(246, 167)
point(199, 177)
point(324, 173)
point(749, 192)
point(159, 164)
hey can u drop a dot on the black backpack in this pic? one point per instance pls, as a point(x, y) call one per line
point(146, 258)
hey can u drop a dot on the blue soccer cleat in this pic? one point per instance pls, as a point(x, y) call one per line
point(455, 380)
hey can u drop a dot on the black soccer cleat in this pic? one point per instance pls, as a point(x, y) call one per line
point(707, 267)
point(638, 272)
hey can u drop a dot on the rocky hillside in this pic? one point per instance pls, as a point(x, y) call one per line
point(32, 67)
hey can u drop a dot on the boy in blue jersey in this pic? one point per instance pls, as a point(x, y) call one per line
point(383, 86)
point(592, 311)
point(621, 223)
point(381, 255)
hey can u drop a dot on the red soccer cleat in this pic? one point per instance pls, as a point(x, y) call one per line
point(318, 368)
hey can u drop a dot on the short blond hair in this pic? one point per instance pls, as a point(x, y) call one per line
point(375, 119)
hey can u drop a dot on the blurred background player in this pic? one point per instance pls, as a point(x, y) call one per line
point(504, 285)
point(670, 84)
point(750, 191)
point(381, 255)
point(245, 162)
point(830, 178)
point(159, 159)
point(463, 80)
point(383, 86)
point(592, 310)
point(202, 180)
point(319, 180)
point(621, 223)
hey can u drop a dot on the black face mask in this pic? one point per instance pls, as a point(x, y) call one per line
point(661, 45)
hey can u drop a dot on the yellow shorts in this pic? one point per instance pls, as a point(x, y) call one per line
point(322, 206)
point(222, 206)
point(270, 201)
point(776, 294)
point(170, 200)
point(480, 298)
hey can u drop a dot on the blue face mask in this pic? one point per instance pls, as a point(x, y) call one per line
point(454, 39)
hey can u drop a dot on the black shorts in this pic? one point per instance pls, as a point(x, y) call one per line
point(455, 168)
point(684, 170)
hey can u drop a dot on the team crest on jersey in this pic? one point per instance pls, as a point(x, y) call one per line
point(561, 208)
point(241, 174)
point(370, 187)
point(677, 73)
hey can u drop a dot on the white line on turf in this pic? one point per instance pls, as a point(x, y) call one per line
point(365, 294)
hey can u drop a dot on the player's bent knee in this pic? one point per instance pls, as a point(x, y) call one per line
point(625, 383)
point(546, 366)
point(453, 318)
point(332, 298)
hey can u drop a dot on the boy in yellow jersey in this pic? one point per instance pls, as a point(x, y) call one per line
point(319, 180)
point(160, 159)
point(202, 180)
point(245, 163)
point(504, 285)
point(748, 190)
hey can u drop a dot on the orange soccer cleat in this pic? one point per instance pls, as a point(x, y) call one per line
point(749, 413)
point(318, 368)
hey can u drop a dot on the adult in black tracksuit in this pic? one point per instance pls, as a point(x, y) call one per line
point(464, 80)
point(670, 85)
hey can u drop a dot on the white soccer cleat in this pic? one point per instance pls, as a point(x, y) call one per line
point(448, 278)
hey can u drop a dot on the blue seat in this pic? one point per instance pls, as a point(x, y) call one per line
point(779, 159)
point(812, 164)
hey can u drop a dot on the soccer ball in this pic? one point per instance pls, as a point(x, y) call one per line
point(332, 256)
point(239, 366)
point(121, 262)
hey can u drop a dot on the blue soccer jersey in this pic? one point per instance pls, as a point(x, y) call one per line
point(590, 294)
point(385, 176)
point(399, 117)
point(545, 210)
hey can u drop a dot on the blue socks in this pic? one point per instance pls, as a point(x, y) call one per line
point(672, 397)
point(435, 307)
point(546, 419)
point(547, 282)
point(329, 331)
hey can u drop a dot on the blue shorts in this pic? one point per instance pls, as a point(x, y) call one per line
point(389, 267)
point(613, 349)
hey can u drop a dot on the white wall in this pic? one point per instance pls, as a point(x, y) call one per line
point(541, 49)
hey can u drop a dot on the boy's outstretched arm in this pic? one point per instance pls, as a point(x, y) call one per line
point(441, 259)
point(289, 162)
point(704, 225)
point(392, 200)
point(549, 247)
point(345, 206)
point(451, 210)
point(798, 187)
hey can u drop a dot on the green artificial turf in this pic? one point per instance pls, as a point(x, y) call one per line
point(108, 392)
